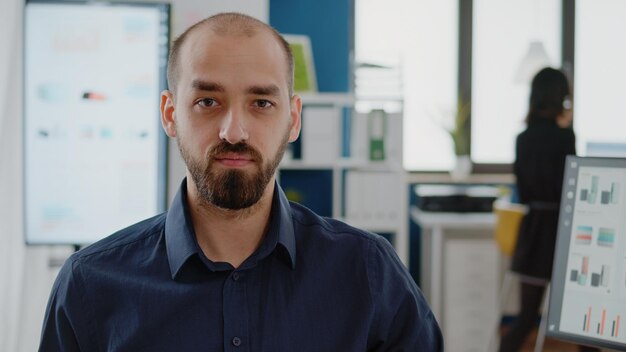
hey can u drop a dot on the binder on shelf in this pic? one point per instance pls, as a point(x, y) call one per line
point(376, 121)
point(362, 144)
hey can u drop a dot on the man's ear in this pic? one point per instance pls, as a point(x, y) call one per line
point(168, 115)
point(296, 118)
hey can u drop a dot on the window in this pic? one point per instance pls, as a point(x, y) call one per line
point(600, 75)
point(502, 35)
point(419, 42)
point(415, 41)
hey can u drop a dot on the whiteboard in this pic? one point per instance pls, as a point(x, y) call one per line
point(94, 149)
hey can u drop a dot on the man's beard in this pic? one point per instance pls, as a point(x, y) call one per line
point(231, 189)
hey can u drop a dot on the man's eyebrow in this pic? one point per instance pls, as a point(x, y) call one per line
point(207, 86)
point(271, 89)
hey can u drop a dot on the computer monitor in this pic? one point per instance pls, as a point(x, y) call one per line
point(588, 290)
point(94, 148)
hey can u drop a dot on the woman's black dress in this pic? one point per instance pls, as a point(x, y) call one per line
point(539, 165)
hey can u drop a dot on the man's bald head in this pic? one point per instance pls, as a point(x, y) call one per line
point(223, 24)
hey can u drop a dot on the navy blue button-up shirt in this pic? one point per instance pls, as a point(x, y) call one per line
point(314, 284)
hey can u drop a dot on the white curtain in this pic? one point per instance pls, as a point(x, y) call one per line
point(11, 247)
point(25, 274)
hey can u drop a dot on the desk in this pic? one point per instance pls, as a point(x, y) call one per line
point(460, 268)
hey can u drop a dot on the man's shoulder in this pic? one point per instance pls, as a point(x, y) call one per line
point(144, 230)
point(329, 227)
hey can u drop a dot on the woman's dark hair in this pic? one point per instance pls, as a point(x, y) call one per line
point(549, 92)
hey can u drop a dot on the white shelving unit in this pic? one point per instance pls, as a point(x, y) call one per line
point(388, 200)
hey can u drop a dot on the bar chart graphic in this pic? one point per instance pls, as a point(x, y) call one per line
point(608, 194)
point(590, 194)
point(601, 278)
point(614, 193)
point(600, 326)
point(583, 234)
point(579, 274)
point(606, 237)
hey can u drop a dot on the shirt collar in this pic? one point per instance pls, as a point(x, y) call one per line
point(281, 223)
point(180, 238)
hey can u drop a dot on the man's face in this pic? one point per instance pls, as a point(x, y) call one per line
point(231, 115)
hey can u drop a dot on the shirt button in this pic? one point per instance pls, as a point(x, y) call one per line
point(236, 276)
point(236, 341)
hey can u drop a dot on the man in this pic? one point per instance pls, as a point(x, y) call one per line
point(234, 266)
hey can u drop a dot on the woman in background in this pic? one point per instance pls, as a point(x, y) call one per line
point(539, 163)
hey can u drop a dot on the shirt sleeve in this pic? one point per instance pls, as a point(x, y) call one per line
point(403, 320)
point(59, 328)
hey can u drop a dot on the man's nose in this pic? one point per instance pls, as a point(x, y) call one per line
point(233, 129)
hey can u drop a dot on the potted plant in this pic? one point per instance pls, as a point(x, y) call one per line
point(460, 134)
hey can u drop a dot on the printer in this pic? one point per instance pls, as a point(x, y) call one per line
point(456, 198)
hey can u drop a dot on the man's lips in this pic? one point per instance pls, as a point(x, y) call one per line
point(234, 159)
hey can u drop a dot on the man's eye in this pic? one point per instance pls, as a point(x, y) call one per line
point(207, 102)
point(262, 103)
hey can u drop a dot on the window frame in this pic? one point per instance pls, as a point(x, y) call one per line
point(568, 9)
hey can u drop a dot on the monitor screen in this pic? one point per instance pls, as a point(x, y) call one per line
point(588, 289)
point(94, 149)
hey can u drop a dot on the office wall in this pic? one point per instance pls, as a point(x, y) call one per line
point(329, 24)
